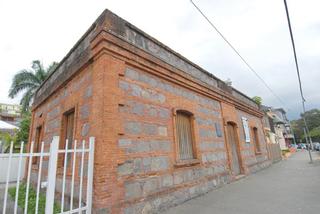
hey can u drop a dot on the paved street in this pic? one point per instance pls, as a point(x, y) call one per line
point(289, 187)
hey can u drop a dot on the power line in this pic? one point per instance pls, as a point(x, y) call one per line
point(303, 100)
point(294, 51)
point(237, 52)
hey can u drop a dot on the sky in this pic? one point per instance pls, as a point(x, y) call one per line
point(47, 30)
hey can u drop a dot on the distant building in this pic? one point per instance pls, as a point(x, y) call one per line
point(269, 128)
point(10, 113)
point(284, 126)
point(7, 127)
point(279, 126)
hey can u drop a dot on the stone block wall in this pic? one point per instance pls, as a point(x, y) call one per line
point(125, 95)
point(149, 171)
point(75, 94)
point(132, 113)
point(251, 158)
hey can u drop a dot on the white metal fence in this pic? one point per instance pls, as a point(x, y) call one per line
point(61, 180)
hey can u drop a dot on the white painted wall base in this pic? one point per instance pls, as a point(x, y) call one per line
point(4, 162)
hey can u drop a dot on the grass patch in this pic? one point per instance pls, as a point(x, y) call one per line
point(31, 199)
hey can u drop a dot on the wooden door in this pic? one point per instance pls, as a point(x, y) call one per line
point(69, 128)
point(233, 147)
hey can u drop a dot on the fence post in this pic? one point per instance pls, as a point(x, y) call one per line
point(7, 180)
point(52, 169)
point(90, 174)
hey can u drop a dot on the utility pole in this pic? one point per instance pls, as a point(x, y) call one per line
point(306, 129)
point(309, 149)
point(305, 123)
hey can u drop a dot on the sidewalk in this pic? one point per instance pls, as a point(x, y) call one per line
point(10, 201)
point(291, 186)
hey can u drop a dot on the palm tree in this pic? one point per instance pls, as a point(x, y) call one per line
point(29, 80)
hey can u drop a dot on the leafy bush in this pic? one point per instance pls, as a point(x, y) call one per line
point(22, 134)
point(284, 151)
point(257, 100)
point(6, 140)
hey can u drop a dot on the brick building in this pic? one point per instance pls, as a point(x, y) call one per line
point(166, 130)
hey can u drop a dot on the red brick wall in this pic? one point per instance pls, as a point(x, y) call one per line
point(149, 166)
point(77, 94)
point(127, 98)
point(130, 112)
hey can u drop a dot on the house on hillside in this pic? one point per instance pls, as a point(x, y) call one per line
point(6, 129)
point(166, 130)
point(284, 126)
point(10, 113)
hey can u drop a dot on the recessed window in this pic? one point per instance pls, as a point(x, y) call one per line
point(184, 135)
point(256, 140)
point(68, 131)
point(37, 143)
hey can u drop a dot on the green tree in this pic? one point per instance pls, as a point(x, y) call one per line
point(313, 118)
point(257, 100)
point(297, 126)
point(22, 134)
point(314, 134)
point(6, 140)
point(313, 121)
point(28, 81)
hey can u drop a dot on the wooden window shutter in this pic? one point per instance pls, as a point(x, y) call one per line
point(37, 143)
point(68, 133)
point(184, 136)
point(69, 127)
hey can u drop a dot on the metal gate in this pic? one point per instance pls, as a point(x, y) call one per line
point(43, 178)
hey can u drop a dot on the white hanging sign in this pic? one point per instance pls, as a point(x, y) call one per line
point(246, 129)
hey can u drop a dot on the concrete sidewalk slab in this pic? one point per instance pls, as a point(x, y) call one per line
point(291, 186)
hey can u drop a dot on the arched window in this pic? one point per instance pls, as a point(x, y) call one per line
point(184, 135)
